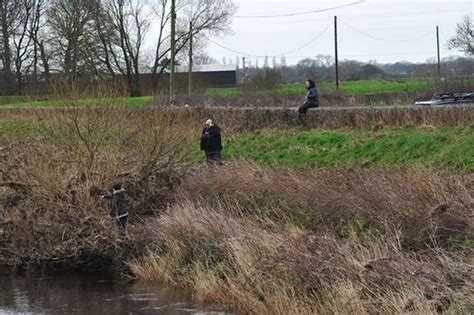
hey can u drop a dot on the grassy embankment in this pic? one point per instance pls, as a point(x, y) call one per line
point(273, 144)
point(444, 149)
point(345, 220)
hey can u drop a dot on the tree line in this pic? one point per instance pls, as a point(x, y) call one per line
point(322, 69)
point(96, 39)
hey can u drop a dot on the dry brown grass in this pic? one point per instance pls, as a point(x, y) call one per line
point(51, 182)
point(420, 204)
point(244, 119)
point(232, 120)
point(271, 241)
point(253, 119)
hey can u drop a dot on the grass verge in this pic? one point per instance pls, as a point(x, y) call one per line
point(449, 149)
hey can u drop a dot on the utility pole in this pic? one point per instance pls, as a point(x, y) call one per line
point(439, 54)
point(190, 75)
point(173, 50)
point(336, 61)
point(244, 70)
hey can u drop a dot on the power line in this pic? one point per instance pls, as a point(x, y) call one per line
point(275, 55)
point(399, 54)
point(298, 13)
point(383, 39)
point(363, 55)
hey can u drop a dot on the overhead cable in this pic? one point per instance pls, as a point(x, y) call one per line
point(275, 55)
point(384, 39)
point(298, 13)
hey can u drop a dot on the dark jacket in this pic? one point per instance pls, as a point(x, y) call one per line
point(117, 203)
point(211, 139)
point(312, 95)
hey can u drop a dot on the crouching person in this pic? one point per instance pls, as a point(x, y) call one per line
point(117, 206)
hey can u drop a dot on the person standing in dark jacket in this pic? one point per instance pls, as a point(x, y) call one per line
point(211, 143)
point(118, 206)
point(312, 100)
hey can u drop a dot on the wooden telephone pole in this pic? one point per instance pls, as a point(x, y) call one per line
point(190, 74)
point(173, 50)
point(438, 52)
point(336, 61)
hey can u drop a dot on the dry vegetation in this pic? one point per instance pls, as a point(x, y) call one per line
point(244, 119)
point(326, 241)
point(257, 240)
point(50, 183)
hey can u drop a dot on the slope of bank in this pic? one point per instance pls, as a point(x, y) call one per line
point(443, 149)
point(365, 220)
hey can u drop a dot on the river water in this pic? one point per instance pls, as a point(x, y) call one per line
point(91, 294)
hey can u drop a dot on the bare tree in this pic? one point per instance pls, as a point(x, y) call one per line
point(37, 33)
point(22, 41)
point(464, 38)
point(204, 16)
point(122, 26)
point(74, 38)
point(9, 11)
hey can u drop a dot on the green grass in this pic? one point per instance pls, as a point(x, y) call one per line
point(361, 87)
point(20, 127)
point(5, 100)
point(450, 149)
point(445, 149)
point(383, 86)
point(19, 102)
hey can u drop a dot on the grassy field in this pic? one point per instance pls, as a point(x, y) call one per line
point(20, 101)
point(362, 87)
point(443, 149)
point(347, 87)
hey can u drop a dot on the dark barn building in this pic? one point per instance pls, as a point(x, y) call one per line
point(204, 76)
point(213, 75)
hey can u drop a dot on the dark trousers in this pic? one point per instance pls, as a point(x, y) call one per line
point(122, 224)
point(303, 109)
point(307, 105)
point(214, 158)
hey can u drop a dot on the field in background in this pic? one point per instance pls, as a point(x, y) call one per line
point(291, 93)
point(347, 87)
point(23, 101)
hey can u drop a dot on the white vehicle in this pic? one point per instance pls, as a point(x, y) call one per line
point(448, 99)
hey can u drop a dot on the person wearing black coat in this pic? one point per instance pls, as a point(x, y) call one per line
point(117, 206)
point(312, 100)
point(211, 143)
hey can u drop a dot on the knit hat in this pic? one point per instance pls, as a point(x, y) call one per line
point(209, 122)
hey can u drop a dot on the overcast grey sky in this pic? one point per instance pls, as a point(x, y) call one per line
point(382, 30)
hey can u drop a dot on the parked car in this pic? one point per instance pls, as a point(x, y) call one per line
point(447, 99)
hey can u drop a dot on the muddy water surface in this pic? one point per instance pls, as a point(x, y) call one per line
point(91, 294)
